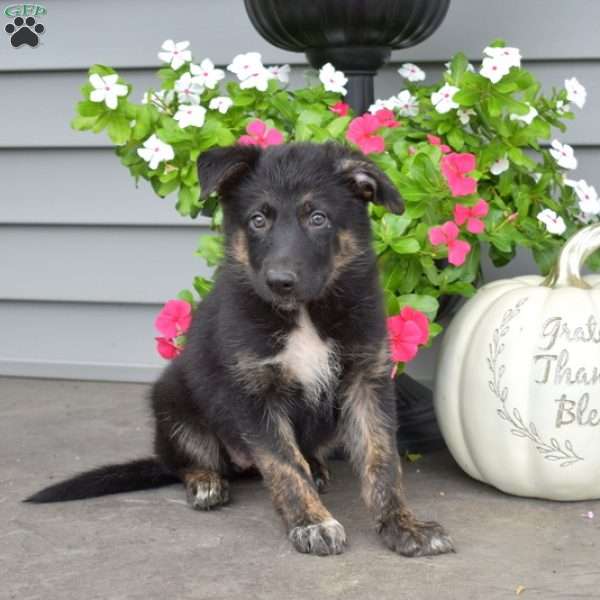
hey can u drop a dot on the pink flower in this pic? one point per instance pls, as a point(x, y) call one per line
point(166, 348)
point(454, 168)
point(406, 332)
point(260, 135)
point(434, 140)
point(386, 118)
point(174, 319)
point(471, 215)
point(447, 234)
point(361, 130)
point(340, 108)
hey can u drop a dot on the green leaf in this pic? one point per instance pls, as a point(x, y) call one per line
point(391, 303)
point(119, 129)
point(80, 123)
point(187, 296)
point(406, 245)
point(87, 108)
point(426, 304)
point(202, 286)
point(211, 249)
point(188, 201)
point(143, 122)
point(338, 126)
point(456, 139)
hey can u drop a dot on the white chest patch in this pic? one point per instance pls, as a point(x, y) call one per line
point(307, 359)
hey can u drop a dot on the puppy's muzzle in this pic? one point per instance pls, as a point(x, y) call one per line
point(282, 283)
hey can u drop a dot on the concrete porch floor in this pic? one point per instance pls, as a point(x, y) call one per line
point(149, 545)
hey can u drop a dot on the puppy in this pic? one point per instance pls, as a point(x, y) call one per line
point(287, 356)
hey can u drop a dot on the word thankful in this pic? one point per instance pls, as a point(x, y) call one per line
point(578, 412)
point(555, 369)
point(555, 329)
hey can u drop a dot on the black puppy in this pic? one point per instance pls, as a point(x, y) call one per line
point(287, 356)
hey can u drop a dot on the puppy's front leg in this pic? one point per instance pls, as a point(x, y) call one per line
point(311, 528)
point(369, 430)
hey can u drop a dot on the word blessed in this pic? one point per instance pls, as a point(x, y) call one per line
point(579, 412)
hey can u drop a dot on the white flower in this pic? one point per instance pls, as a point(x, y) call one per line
point(464, 115)
point(500, 166)
point(562, 107)
point(259, 80)
point(160, 98)
point(379, 104)
point(332, 80)
point(553, 222)
point(508, 55)
point(588, 197)
point(536, 177)
point(220, 103)
point(188, 90)
point(494, 69)
point(250, 71)
point(407, 104)
point(155, 151)
point(527, 118)
point(442, 100)
point(575, 92)
point(190, 114)
point(206, 75)
point(107, 90)
point(563, 155)
point(282, 72)
point(176, 54)
point(244, 65)
point(411, 72)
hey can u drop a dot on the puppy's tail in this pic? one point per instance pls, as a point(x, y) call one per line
point(140, 474)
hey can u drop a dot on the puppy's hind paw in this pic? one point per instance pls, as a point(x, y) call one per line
point(322, 539)
point(416, 538)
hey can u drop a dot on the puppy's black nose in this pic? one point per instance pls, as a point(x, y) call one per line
point(281, 282)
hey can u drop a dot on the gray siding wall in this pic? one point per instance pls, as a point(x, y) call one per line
point(86, 259)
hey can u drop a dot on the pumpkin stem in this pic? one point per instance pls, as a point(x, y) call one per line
point(567, 271)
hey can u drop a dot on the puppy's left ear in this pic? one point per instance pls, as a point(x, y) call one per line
point(220, 169)
point(371, 184)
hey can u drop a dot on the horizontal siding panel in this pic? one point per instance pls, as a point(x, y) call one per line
point(90, 186)
point(98, 264)
point(221, 29)
point(61, 92)
point(79, 186)
point(90, 341)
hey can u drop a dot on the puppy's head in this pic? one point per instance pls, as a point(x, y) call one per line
point(295, 215)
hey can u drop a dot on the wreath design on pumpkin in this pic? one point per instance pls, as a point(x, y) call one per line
point(551, 450)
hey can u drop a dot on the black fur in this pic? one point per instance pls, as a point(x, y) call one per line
point(112, 479)
point(287, 352)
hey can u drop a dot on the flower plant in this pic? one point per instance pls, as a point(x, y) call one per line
point(476, 157)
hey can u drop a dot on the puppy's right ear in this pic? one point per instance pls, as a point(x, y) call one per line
point(222, 168)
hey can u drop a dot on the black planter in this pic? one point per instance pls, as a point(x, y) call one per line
point(356, 36)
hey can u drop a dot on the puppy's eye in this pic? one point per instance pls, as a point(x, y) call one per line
point(258, 221)
point(317, 219)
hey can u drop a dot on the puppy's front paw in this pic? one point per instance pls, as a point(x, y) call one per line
point(323, 538)
point(416, 538)
point(207, 491)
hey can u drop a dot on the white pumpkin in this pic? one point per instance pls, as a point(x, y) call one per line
point(517, 391)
